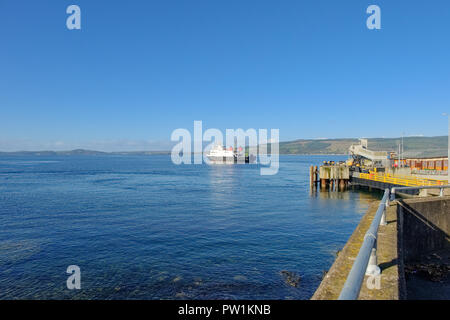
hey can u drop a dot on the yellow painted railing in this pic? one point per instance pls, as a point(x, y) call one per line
point(409, 181)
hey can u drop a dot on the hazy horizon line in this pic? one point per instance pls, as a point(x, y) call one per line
point(169, 144)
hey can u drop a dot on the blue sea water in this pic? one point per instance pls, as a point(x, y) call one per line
point(140, 227)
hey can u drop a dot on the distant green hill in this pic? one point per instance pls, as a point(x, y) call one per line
point(82, 152)
point(413, 146)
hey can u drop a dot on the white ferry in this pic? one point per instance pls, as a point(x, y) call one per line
point(220, 154)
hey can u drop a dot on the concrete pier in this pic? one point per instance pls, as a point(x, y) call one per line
point(334, 280)
point(332, 176)
point(416, 228)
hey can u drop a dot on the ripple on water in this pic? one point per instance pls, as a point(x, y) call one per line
point(15, 251)
point(144, 228)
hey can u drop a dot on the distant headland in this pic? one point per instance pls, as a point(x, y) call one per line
point(418, 146)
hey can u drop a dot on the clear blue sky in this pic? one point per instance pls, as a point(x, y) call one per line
point(137, 70)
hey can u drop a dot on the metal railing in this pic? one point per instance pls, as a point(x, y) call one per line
point(400, 180)
point(366, 260)
point(396, 189)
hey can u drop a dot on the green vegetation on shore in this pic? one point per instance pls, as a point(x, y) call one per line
point(412, 146)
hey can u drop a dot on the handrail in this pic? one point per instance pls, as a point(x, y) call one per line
point(406, 178)
point(365, 262)
point(361, 266)
point(410, 177)
point(396, 189)
point(400, 180)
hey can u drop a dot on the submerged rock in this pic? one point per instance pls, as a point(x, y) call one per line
point(291, 278)
point(180, 295)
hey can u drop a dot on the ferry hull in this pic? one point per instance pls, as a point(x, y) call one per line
point(232, 160)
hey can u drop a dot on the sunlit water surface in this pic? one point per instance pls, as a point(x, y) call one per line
point(140, 227)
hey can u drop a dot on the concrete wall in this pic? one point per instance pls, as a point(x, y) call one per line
point(399, 171)
point(334, 172)
point(424, 226)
